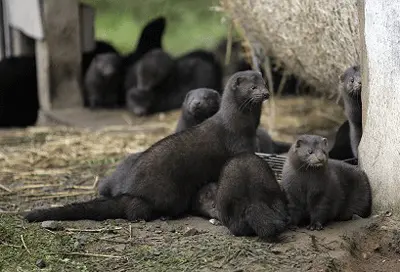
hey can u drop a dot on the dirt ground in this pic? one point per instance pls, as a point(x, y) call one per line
point(48, 166)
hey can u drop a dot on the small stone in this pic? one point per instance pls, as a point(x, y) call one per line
point(119, 247)
point(158, 231)
point(78, 245)
point(377, 247)
point(172, 230)
point(156, 253)
point(356, 217)
point(40, 263)
point(365, 256)
point(215, 222)
point(276, 250)
point(190, 232)
point(52, 225)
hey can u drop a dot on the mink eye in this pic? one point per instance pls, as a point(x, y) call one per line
point(253, 87)
point(352, 79)
point(310, 151)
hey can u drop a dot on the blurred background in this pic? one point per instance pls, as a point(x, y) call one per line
point(190, 24)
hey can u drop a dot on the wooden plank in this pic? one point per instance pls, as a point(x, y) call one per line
point(59, 56)
point(2, 41)
point(22, 44)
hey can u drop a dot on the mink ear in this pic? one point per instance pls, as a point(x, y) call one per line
point(341, 77)
point(298, 143)
point(238, 81)
point(325, 141)
point(255, 76)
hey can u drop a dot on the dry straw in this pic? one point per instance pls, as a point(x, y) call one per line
point(314, 39)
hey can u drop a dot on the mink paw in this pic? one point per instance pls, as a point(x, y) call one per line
point(315, 226)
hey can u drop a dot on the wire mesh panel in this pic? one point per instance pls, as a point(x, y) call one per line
point(275, 162)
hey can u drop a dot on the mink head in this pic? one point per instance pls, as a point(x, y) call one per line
point(202, 103)
point(311, 151)
point(247, 89)
point(351, 80)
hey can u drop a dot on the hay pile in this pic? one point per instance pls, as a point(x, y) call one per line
point(314, 39)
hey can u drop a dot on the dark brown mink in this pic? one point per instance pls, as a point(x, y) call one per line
point(321, 190)
point(203, 203)
point(197, 69)
point(150, 38)
point(250, 200)
point(341, 149)
point(199, 105)
point(152, 75)
point(350, 91)
point(165, 178)
point(103, 81)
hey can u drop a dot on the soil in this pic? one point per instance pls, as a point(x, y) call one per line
point(48, 166)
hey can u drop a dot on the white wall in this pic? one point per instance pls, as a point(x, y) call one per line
point(380, 145)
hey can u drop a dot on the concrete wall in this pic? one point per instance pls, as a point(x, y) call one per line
point(380, 145)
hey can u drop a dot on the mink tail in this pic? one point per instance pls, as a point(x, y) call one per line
point(124, 207)
point(267, 222)
point(280, 147)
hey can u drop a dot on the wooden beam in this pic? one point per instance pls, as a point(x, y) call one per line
point(59, 56)
point(2, 38)
point(22, 44)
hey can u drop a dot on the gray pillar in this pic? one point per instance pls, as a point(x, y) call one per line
point(59, 56)
point(379, 150)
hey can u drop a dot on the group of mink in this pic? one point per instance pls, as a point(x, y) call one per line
point(209, 167)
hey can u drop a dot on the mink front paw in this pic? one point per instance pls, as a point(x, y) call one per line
point(315, 226)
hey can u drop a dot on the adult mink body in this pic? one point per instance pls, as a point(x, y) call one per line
point(165, 178)
point(320, 189)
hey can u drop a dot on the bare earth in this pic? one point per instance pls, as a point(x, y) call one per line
point(44, 166)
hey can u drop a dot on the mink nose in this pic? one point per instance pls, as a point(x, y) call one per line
point(321, 157)
point(265, 95)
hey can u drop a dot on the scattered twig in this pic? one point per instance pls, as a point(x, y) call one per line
point(331, 118)
point(80, 187)
point(229, 44)
point(5, 188)
point(8, 212)
point(92, 230)
point(59, 195)
point(92, 255)
point(52, 232)
point(283, 82)
point(96, 181)
point(10, 245)
point(23, 243)
point(34, 186)
point(130, 232)
point(127, 119)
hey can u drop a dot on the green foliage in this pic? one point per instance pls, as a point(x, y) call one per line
point(190, 23)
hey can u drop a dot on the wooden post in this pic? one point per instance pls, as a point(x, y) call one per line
point(2, 38)
point(379, 150)
point(22, 44)
point(59, 56)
